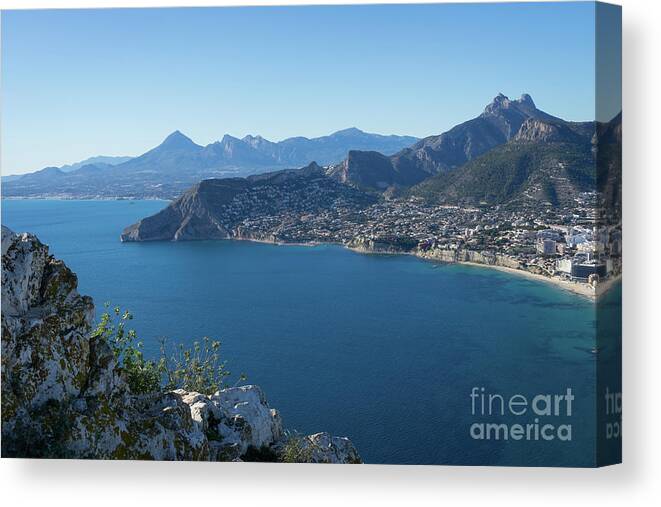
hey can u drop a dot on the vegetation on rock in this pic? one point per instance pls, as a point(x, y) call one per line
point(198, 368)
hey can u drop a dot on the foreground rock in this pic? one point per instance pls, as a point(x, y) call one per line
point(64, 396)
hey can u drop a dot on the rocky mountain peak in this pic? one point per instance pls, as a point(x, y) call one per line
point(177, 140)
point(351, 131)
point(527, 100)
point(501, 102)
point(229, 139)
point(250, 139)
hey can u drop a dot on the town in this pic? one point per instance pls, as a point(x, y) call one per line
point(575, 245)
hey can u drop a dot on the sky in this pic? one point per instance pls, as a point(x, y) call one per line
point(79, 83)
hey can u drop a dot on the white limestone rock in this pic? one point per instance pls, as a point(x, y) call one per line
point(324, 448)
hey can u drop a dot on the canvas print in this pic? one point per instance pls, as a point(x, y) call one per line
point(383, 234)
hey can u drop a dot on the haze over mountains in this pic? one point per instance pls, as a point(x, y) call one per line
point(178, 162)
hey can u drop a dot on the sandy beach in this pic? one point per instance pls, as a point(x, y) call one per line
point(582, 289)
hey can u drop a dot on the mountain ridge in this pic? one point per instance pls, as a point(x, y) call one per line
point(547, 161)
point(178, 162)
point(499, 122)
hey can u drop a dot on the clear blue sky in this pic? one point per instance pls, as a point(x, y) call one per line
point(77, 83)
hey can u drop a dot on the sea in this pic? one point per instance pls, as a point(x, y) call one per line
point(395, 352)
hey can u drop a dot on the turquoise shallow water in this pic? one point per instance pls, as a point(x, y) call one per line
point(384, 349)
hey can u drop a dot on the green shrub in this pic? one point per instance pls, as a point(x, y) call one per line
point(296, 449)
point(198, 368)
point(143, 376)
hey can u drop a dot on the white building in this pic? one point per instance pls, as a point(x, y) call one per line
point(563, 266)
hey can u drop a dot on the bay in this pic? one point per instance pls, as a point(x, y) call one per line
point(383, 349)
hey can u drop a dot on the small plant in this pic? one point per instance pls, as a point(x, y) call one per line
point(143, 376)
point(198, 368)
point(296, 449)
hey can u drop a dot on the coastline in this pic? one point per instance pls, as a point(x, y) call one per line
point(580, 289)
point(607, 285)
point(95, 198)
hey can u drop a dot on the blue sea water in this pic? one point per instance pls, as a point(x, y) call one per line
point(383, 349)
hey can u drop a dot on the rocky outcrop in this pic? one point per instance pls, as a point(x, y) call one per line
point(382, 245)
point(324, 448)
point(538, 131)
point(65, 396)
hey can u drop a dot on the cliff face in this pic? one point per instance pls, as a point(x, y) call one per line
point(64, 396)
point(534, 130)
point(462, 255)
point(397, 246)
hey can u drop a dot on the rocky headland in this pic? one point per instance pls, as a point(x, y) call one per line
point(65, 396)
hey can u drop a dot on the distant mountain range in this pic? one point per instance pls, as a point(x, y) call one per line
point(512, 154)
point(177, 163)
point(99, 160)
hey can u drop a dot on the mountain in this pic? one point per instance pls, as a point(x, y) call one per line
point(99, 160)
point(500, 121)
point(178, 153)
point(535, 161)
point(177, 163)
point(222, 208)
point(326, 150)
point(45, 174)
point(545, 161)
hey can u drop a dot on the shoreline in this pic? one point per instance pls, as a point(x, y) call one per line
point(88, 199)
point(577, 288)
point(580, 289)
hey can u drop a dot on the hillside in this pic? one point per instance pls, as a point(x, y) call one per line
point(500, 121)
point(220, 208)
point(551, 172)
